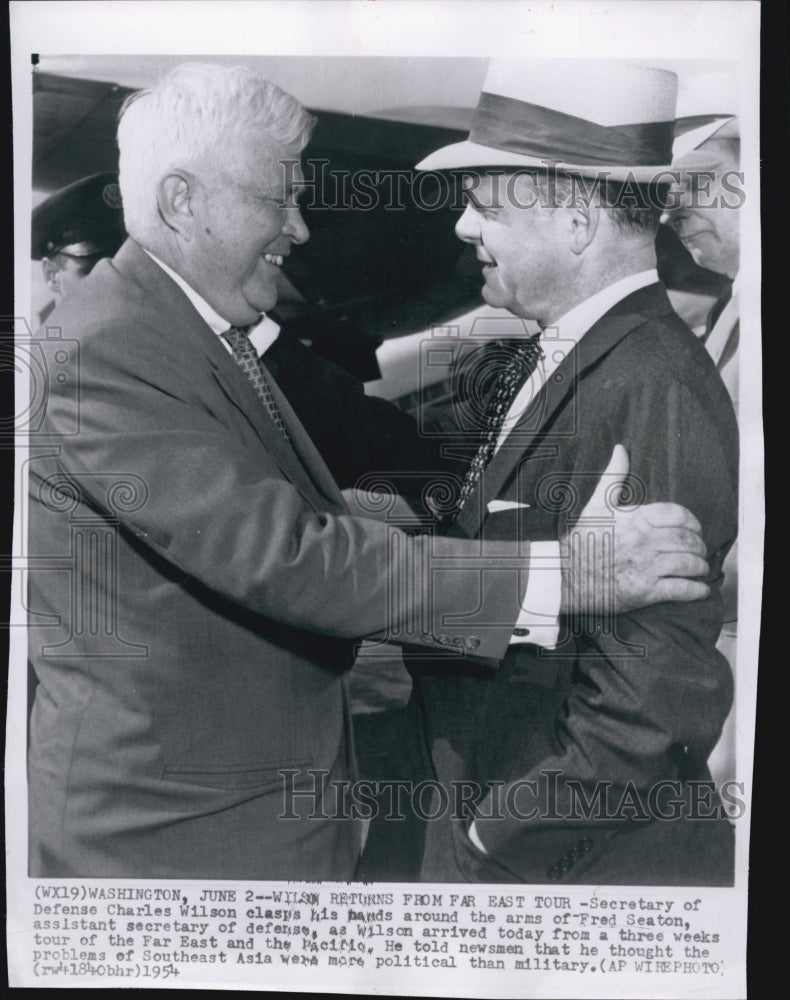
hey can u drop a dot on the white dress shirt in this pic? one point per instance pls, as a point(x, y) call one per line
point(262, 335)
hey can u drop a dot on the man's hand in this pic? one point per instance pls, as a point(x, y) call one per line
point(615, 559)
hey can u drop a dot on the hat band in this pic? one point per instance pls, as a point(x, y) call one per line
point(531, 130)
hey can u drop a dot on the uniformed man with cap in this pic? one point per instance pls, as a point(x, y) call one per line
point(72, 231)
point(75, 228)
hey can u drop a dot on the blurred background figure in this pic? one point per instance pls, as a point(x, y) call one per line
point(709, 228)
point(74, 229)
point(704, 215)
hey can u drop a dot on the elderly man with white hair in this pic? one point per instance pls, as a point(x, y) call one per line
point(197, 583)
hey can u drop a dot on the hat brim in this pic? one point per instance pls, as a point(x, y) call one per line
point(83, 248)
point(468, 154)
point(686, 152)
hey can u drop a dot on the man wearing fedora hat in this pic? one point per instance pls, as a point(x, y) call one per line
point(586, 763)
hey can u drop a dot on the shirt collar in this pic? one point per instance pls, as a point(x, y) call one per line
point(577, 321)
point(262, 335)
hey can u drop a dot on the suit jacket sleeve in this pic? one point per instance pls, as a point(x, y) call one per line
point(648, 696)
point(225, 514)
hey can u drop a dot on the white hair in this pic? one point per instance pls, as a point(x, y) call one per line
point(196, 110)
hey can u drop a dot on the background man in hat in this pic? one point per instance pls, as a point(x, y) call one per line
point(705, 216)
point(197, 648)
point(75, 227)
point(72, 230)
point(571, 758)
point(706, 220)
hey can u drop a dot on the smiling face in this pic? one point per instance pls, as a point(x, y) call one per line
point(705, 217)
point(523, 245)
point(246, 221)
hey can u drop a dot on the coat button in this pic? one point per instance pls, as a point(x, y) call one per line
point(554, 874)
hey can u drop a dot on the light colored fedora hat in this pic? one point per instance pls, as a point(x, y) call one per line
point(690, 152)
point(588, 116)
point(701, 100)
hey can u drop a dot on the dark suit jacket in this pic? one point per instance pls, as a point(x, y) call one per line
point(621, 706)
point(196, 587)
point(356, 434)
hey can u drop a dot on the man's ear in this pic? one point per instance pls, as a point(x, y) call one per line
point(583, 223)
point(175, 200)
point(51, 274)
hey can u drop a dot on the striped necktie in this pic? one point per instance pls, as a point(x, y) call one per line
point(514, 374)
point(247, 359)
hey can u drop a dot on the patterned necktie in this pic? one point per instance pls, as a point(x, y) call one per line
point(247, 359)
point(514, 374)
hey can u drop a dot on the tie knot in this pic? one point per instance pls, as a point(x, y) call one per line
point(236, 336)
point(529, 351)
point(522, 362)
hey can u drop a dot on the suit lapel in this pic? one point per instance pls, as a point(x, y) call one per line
point(301, 464)
point(601, 338)
point(300, 460)
point(722, 331)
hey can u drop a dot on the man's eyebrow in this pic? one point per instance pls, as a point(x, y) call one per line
point(292, 195)
point(289, 197)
